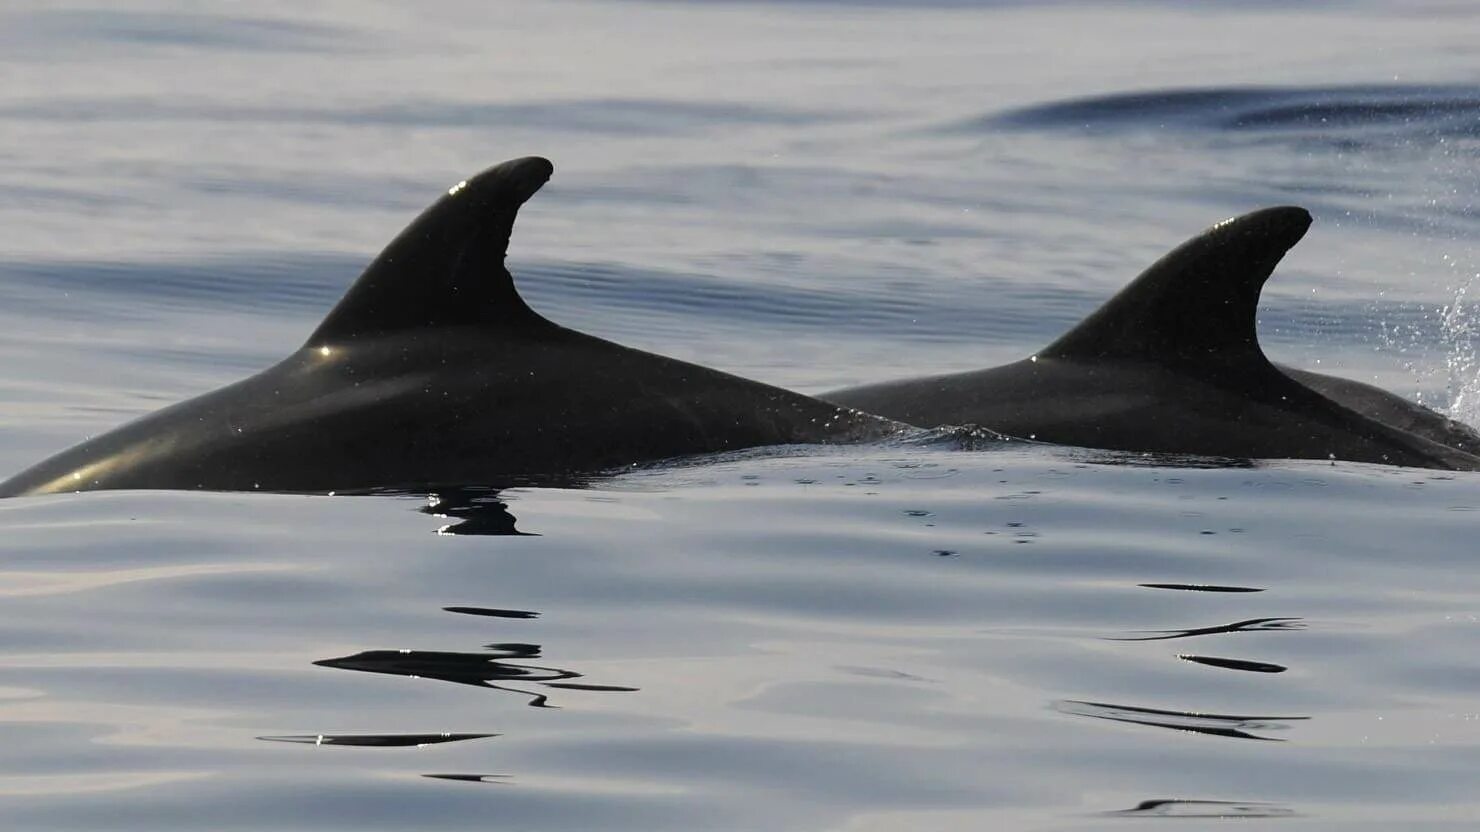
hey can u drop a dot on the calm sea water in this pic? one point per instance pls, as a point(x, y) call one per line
point(808, 193)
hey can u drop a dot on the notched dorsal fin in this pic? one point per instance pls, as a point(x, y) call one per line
point(1198, 303)
point(447, 267)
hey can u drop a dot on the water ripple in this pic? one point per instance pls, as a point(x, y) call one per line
point(606, 116)
point(1342, 116)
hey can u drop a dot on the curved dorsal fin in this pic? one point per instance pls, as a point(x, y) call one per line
point(1197, 303)
point(447, 267)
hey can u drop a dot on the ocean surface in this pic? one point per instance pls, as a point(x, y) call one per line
point(812, 194)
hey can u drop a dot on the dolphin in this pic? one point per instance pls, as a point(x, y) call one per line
point(1172, 364)
point(432, 371)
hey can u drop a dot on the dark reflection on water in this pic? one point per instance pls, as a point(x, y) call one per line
point(492, 612)
point(1204, 809)
point(1248, 626)
point(1218, 725)
point(491, 779)
point(485, 670)
point(478, 511)
point(1234, 664)
point(376, 740)
point(1204, 587)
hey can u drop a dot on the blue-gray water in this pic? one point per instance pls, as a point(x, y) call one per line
point(807, 193)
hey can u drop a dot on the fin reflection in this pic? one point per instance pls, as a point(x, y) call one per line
point(477, 510)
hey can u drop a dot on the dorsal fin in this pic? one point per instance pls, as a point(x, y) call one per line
point(447, 267)
point(1196, 304)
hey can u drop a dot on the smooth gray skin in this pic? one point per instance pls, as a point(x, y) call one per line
point(1172, 364)
point(1394, 411)
point(431, 372)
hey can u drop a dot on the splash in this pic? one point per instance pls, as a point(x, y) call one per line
point(1453, 331)
point(1440, 345)
point(1458, 328)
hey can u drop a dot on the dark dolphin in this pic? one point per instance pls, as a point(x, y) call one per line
point(1172, 364)
point(432, 371)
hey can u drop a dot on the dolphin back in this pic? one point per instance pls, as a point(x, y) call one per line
point(433, 371)
point(1172, 364)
